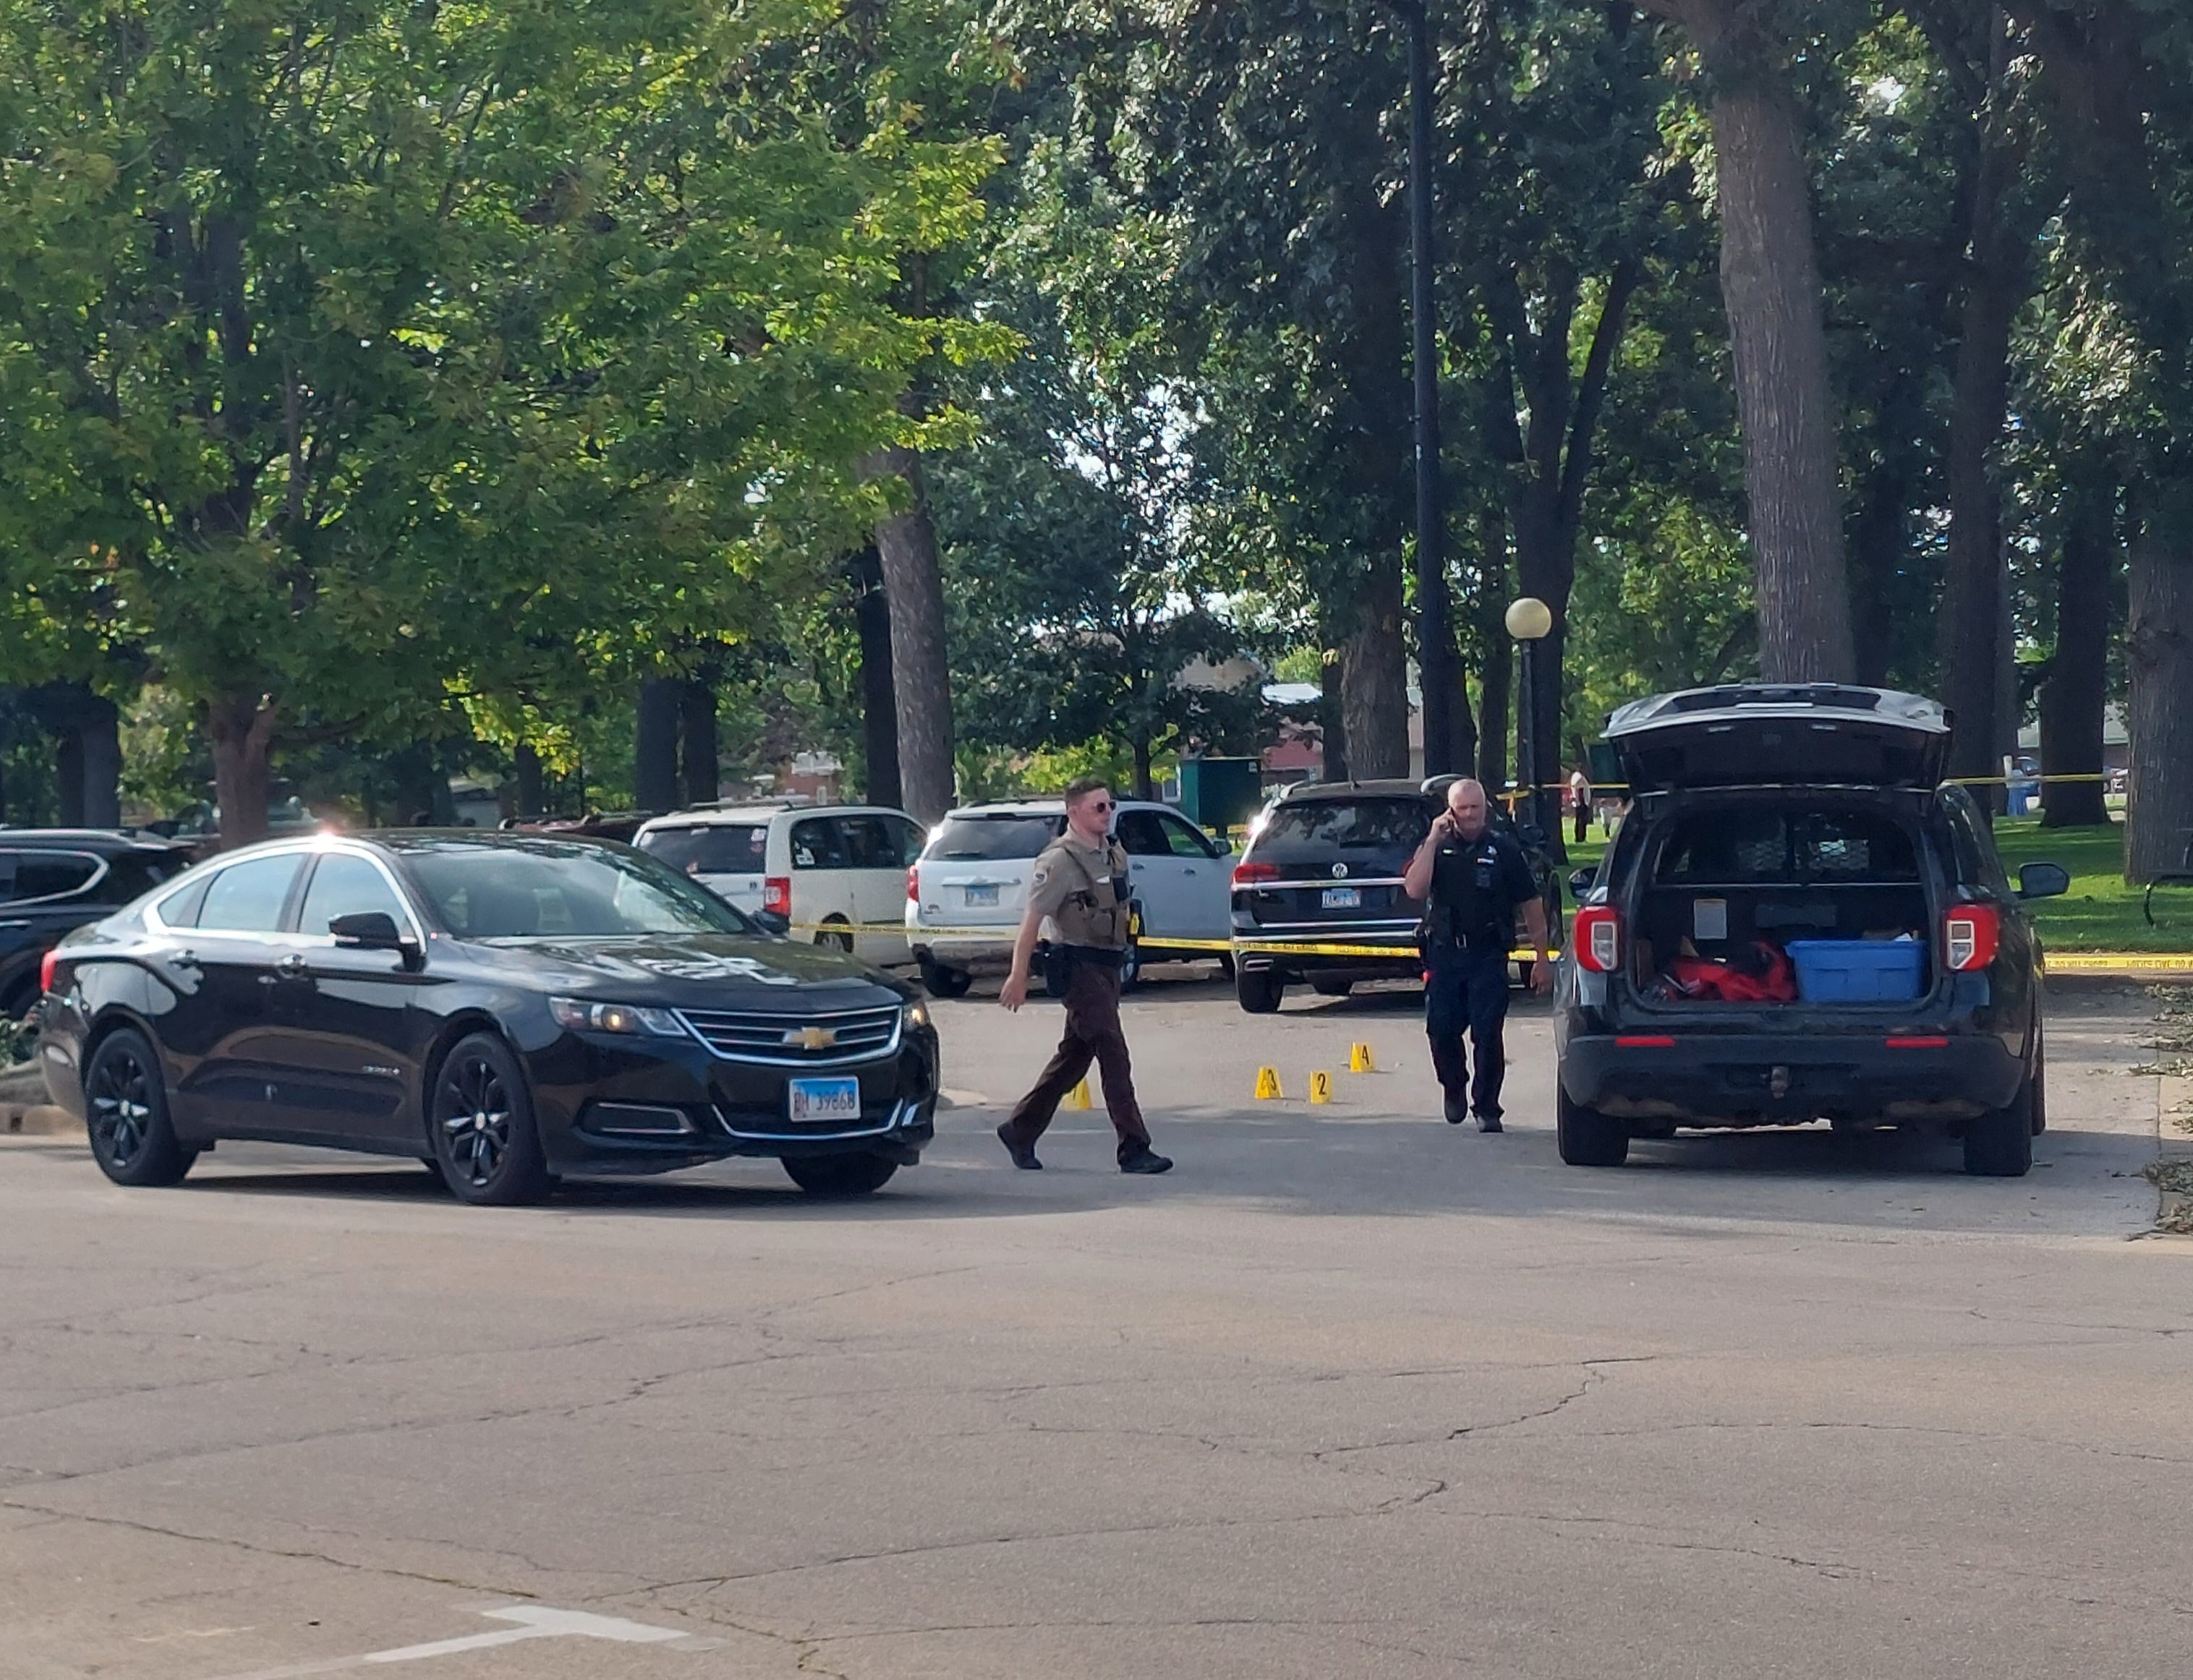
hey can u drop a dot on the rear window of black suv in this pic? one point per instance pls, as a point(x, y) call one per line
point(1315, 830)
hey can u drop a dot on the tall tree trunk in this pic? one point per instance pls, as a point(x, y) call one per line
point(878, 704)
point(1496, 683)
point(241, 727)
point(921, 679)
point(101, 736)
point(532, 795)
point(696, 731)
point(1374, 695)
point(1146, 787)
point(1770, 287)
point(2159, 656)
point(655, 745)
point(413, 771)
point(68, 775)
point(2075, 696)
point(1332, 716)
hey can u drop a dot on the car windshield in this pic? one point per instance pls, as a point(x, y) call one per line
point(967, 839)
point(710, 848)
point(1315, 829)
point(561, 890)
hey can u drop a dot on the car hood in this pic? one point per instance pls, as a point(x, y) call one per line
point(696, 970)
point(1753, 734)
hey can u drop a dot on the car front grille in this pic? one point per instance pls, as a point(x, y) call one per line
point(797, 1041)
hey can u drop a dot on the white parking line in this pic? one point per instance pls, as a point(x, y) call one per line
point(535, 1621)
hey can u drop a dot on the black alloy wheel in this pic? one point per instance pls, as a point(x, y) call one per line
point(126, 1113)
point(838, 1176)
point(1258, 991)
point(485, 1142)
point(939, 981)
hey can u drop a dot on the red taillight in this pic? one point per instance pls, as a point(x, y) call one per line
point(1646, 1041)
point(47, 964)
point(776, 895)
point(1970, 934)
point(1596, 935)
point(912, 881)
point(1253, 874)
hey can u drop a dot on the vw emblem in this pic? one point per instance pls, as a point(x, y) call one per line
point(1340, 872)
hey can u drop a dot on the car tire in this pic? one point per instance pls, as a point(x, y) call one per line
point(125, 1106)
point(1586, 1137)
point(835, 935)
point(1131, 966)
point(939, 981)
point(840, 1177)
point(481, 1117)
point(1330, 988)
point(1226, 966)
point(2040, 1083)
point(1259, 991)
point(1999, 1144)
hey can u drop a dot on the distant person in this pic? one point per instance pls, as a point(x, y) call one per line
point(1580, 800)
point(1472, 879)
point(1080, 883)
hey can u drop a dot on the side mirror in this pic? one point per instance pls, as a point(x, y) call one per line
point(774, 923)
point(369, 930)
point(1580, 881)
point(2043, 881)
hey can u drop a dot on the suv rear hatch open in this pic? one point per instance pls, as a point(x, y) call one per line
point(1817, 734)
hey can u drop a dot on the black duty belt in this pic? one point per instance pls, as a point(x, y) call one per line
point(1095, 956)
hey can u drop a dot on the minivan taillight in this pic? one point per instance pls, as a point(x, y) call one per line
point(1970, 935)
point(47, 964)
point(1252, 874)
point(776, 895)
point(1596, 934)
point(913, 883)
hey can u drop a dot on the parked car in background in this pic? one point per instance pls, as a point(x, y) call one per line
point(1324, 867)
point(964, 898)
point(54, 880)
point(825, 870)
point(508, 1007)
point(1798, 922)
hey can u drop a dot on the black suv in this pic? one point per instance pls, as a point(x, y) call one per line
point(1324, 867)
point(1797, 921)
point(53, 880)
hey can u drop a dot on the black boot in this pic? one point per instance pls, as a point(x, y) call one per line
point(1458, 1109)
point(1023, 1154)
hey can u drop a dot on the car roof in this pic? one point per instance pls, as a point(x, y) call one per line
point(1390, 788)
point(90, 840)
point(1050, 807)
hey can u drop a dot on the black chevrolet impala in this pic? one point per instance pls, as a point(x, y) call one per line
point(506, 1007)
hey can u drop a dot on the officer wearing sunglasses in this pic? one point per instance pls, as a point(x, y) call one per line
point(1080, 884)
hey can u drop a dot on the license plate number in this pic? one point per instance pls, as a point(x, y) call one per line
point(825, 1099)
point(982, 898)
point(1343, 898)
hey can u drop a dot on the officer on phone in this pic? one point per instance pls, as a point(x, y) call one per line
point(1472, 879)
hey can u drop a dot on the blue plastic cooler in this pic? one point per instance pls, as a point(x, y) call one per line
point(1857, 971)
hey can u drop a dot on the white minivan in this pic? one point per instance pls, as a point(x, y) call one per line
point(965, 897)
point(828, 870)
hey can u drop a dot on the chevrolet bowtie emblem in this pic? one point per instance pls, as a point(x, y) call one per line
point(810, 1038)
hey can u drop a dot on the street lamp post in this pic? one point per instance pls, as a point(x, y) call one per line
point(1435, 655)
point(1529, 620)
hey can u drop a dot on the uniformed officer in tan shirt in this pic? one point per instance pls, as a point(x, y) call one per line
point(1081, 883)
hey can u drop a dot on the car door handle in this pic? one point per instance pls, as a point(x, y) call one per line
point(292, 967)
point(185, 959)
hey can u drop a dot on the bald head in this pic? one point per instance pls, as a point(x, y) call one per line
point(1465, 802)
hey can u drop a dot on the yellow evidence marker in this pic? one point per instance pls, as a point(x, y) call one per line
point(1268, 1085)
point(1359, 1060)
point(1320, 1086)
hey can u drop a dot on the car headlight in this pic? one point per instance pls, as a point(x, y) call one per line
point(913, 1014)
point(576, 1015)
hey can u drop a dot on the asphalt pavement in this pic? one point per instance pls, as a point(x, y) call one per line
point(1349, 1393)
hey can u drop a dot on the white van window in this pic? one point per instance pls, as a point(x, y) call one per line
point(710, 848)
point(818, 842)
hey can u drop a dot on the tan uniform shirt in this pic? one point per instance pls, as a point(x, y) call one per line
point(1082, 888)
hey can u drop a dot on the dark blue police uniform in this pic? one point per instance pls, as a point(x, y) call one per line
point(1469, 930)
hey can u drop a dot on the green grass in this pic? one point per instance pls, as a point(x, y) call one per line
point(2099, 913)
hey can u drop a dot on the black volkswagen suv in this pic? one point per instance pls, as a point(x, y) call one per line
point(1323, 869)
point(53, 880)
point(1798, 921)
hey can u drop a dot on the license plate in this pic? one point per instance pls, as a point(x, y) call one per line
point(825, 1099)
point(1343, 898)
point(982, 898)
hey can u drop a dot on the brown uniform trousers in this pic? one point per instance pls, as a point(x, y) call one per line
point(1092, 1034)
